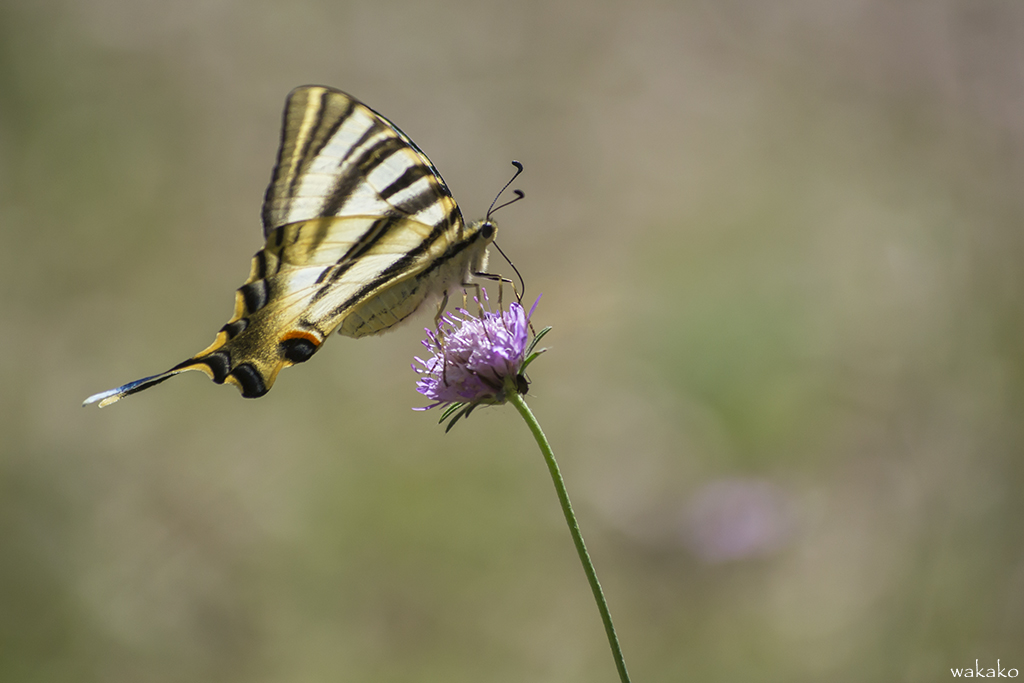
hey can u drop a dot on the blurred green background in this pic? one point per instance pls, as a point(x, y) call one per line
point(781, 248)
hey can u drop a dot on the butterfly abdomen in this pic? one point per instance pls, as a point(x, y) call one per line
point(384, 311)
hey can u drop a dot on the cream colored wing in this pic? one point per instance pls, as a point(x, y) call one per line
point(338, 157)
point(360, 229)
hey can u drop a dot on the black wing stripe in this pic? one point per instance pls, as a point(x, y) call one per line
point(327, 134)
point(378, 229)
point(403, 263)
point(370, 238)
point(360, 167)
point(301, 159)
point(321, 230)
point(418, 202)
point(288, 173)
point(411, 175)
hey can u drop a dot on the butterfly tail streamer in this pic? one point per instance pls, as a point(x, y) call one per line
point(225, 362)
point(105, 398)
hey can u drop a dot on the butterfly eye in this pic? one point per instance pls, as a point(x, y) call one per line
point(487, 230)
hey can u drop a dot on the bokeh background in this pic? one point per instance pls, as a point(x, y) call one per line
point(781, 248)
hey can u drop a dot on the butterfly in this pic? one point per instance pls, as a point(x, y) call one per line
point(360, 231)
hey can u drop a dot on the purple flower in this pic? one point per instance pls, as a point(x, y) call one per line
point(472, 357)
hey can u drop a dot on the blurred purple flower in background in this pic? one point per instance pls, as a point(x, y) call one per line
point(735, 519)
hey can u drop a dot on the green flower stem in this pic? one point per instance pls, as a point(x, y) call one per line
point(574, 528)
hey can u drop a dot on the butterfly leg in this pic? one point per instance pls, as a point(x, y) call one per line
point(440, 311)
point(440, 336)
point(479, 296)
point(501, 280)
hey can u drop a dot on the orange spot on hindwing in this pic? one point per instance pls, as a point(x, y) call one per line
point(298, 346)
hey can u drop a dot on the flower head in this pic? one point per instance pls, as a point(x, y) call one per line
point(474, 358)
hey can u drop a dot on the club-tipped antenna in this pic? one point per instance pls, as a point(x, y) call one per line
point(519, 193)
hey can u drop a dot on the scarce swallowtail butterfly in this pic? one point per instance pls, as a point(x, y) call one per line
point(360, 230)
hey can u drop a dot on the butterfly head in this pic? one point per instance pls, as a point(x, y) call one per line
point(482, 234)
point(486, 229)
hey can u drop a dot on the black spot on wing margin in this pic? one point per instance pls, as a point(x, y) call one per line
point(236, 328)
point(219, 363)
point(250, 379)
point(255, 295)
point(298, 350)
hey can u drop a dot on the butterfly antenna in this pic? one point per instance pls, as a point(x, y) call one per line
point(522, 283)
point(519, 193)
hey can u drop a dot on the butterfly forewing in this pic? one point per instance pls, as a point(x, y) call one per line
point(360, 229)
point(338, 157)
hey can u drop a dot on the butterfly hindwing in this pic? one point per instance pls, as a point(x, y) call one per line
point(298, 293)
